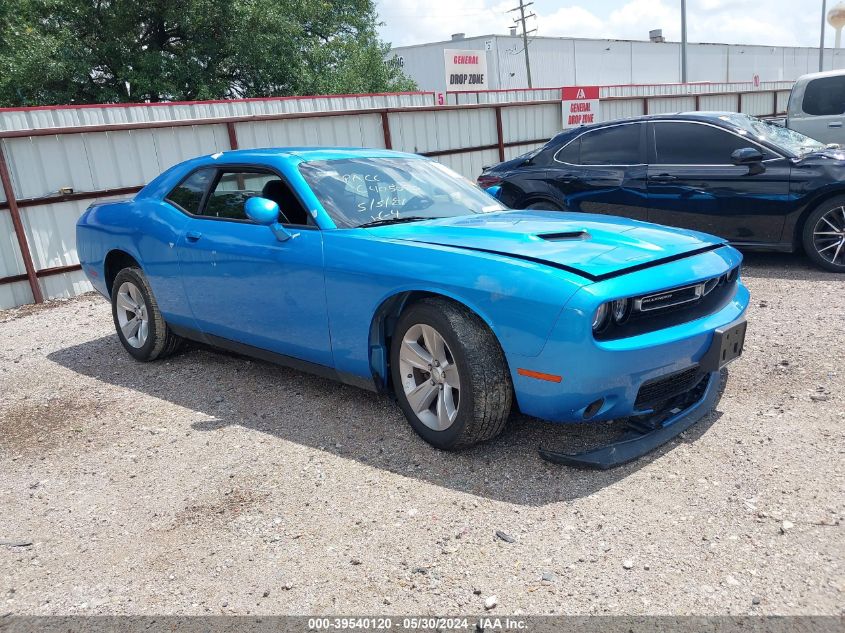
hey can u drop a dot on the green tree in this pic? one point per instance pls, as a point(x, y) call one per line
point(97, 51)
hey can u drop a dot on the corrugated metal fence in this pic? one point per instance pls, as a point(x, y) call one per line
point(55, 160)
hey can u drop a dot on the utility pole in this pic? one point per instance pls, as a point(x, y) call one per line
point(683, 41)
point(821, 43)
point(521, 20)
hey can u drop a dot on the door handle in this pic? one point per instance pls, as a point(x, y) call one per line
point(193, 236)
point(567, 178)
point(835, 124)
point(662, 178)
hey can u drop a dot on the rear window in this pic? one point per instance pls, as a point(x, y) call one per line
point(187, 195)
point(825, 96)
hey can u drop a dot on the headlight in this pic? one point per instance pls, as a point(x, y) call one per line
point(620, 310)
point(601, 318)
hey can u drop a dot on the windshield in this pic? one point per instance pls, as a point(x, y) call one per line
point(367, 191)
point(790, 140)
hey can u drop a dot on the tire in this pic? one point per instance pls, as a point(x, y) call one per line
point(145, 334)
point(823, 235)
point(473, 361)
point(542, 205)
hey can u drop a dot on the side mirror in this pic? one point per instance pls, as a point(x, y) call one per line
point(266, 212)
point(750, 157)
point(494, 191)
point(747, 156)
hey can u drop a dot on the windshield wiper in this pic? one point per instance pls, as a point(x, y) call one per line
point(407, 218)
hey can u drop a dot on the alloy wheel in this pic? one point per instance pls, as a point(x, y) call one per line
point(829, 236)
point(132, 316)
point(430, 378)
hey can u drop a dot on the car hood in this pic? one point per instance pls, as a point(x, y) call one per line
point(823, 157)
point(593, 246)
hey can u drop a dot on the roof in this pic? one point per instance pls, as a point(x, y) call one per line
point(827, 73)
point(304, 153)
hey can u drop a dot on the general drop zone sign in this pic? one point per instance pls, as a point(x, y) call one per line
point(580, 105)
point(465, 70)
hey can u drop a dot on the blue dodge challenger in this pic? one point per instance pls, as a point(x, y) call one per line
point(390, 272)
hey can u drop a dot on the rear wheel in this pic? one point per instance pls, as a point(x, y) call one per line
point(137, 319)
point(824, 235)
point(449, 374)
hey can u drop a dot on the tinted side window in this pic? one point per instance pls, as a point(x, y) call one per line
point(188, 194)
point(571, 153)
point(693, 144)
point(825, 96)
point(232, 190)
point(235, 187)
point(618, 145)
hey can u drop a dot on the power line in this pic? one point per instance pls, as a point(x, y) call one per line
point(521, 20)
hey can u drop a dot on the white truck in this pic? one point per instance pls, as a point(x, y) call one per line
point(817, 106)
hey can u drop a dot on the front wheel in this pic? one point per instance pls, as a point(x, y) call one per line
point(449, 374)
point(824, 235)
point(137, 318)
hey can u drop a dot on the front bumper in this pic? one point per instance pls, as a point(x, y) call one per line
point(601, 380)
point(643, 435)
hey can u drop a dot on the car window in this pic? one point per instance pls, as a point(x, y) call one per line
point(187, 195)
point(617, 145)
point(232, 190)
point(825, 96)
point(234, 187)
point(571, 153)
point(681, 143)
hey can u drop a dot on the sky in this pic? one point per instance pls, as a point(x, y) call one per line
point(772, 22)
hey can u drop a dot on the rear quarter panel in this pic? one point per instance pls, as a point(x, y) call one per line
point(148, 231)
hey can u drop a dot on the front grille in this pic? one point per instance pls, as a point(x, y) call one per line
point(660, 389)
point(657, 311)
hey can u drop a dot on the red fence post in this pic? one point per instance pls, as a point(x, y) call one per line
point(500, 134)
point(385, 129)
point(31, 275)
point(233, 135)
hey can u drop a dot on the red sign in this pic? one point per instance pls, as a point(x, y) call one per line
point(580, 105)
point(577, 93)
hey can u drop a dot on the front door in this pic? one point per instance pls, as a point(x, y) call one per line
point(243, 285)
point(693, 184)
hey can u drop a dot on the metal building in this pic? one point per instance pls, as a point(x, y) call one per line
point(559, 61)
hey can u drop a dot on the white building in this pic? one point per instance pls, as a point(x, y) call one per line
point(563, 61)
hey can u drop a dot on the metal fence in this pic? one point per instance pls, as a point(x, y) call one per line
point(55, 161)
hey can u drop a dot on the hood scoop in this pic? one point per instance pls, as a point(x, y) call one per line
point(565, 236)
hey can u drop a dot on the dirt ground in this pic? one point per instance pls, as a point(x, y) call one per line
point(210, 484)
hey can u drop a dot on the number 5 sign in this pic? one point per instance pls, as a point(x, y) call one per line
point(580, 105)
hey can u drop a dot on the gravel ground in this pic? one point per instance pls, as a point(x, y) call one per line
point(213, 484)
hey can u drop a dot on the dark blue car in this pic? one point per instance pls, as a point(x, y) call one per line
point(756, 184)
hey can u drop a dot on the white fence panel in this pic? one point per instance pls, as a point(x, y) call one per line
point(11, 263)
point(757, 103)
point(658, 105)
point(42, 165)
point(783, 101)
point(470, 164)
point(529, 123)
point(517, 150)
point(717, 103)
point(69, 116)
point(351, 131)
point(421, 132)
point(15, 294)
point(621, 109)
point(51, 232)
